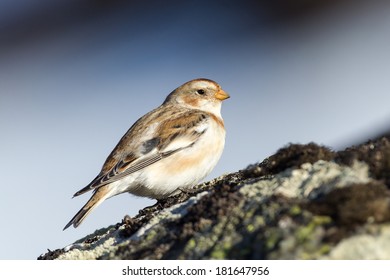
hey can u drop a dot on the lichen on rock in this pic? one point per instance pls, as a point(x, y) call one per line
point(304, 202)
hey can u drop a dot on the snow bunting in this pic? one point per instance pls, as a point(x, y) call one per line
point(167, 150)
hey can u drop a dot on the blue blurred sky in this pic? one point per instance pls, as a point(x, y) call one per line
point(74, 75)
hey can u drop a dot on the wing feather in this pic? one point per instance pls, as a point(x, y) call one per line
point(177, 133)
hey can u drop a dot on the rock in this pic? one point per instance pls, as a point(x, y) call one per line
point(304, 202)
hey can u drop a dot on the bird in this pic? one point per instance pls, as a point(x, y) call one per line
point(166, 151)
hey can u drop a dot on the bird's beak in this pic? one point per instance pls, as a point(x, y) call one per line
point(221, 95)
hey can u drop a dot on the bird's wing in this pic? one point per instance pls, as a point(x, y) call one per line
point(169, 137)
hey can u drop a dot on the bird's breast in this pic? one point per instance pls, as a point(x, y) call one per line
point(187, 167)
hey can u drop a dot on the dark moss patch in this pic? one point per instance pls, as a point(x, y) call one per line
point(211, 208)
point(131, 225)
point(376, 153)
point(51, 255)
point(355, 205)
point(293, 155)
point(351, 207)
point(91, 240)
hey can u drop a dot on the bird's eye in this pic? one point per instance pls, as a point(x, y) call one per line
point(200, 91)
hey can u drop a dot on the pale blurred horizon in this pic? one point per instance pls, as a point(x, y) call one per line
point(75, 75)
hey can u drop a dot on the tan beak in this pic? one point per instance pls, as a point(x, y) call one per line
point(221, 95)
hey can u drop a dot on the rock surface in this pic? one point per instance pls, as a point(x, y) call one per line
point(304, 202)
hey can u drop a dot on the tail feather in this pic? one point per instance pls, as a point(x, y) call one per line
point(98, 197)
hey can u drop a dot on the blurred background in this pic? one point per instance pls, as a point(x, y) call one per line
point(74, 75)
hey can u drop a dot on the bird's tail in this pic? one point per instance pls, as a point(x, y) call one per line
point(98, 197)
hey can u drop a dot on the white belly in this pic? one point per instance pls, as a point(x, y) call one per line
point(183, 169)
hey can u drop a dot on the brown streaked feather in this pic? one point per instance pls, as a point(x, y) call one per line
point(141, 165)
point(103, 177)
point(98, 197)
point(182, 124)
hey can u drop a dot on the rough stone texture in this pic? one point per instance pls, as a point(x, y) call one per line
point(304, 202)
